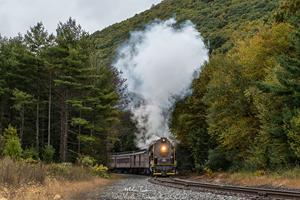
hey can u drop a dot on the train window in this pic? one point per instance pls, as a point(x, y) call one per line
point(123, 160)
point(139, 159)
point(155, 161)
point(134, 159)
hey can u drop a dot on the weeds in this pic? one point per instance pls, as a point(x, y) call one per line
point(16, 173)
point(65, 171)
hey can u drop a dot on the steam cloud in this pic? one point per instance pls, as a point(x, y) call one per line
point(159, 63)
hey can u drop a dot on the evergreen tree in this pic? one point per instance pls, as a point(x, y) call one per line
point(21, 101)
point(37, 40)
point(69, 62)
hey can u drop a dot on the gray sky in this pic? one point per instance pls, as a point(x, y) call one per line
point(16, 16)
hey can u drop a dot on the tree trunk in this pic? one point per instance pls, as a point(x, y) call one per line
point(49, 111)
point(1, 117)
point(42, 131)
point(37, 124)
point(22, 124)
point(63, 127)
point(79, 142)
point(79, 133)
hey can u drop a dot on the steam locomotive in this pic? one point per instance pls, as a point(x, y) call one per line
point(158, 160)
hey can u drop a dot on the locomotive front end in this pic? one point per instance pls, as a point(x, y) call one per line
point(162, 158)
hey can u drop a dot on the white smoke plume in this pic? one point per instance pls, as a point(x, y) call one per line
point(159, 63)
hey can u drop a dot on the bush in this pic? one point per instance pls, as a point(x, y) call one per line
point(86, 161)
point(100, 170)
point(217, 160)
point(31, 154)
point(48, 154)
point(12, 146)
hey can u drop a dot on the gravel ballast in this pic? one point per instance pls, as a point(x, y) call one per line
point(139, 188)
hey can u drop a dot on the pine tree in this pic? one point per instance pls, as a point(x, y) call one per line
point(37, 40)
point(69, 64)
point(21, 101)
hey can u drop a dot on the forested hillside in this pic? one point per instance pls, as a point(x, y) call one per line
point(243, 110)
point(217, 21)
point(63, 94)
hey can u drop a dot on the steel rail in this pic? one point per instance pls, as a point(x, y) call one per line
point(193, 185)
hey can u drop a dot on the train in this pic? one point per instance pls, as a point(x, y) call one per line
point(157, 160)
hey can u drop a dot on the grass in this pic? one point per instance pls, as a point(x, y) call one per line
point(52, 188)
point(17, 173)
point(68, 172)
point(285, 178)
point(24, 179)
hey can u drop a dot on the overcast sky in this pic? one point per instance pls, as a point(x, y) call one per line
point(16, 16)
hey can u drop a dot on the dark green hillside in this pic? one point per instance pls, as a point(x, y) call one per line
point(216, 20)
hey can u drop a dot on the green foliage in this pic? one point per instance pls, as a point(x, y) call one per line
point(10, 131)
point(294, 136)
point(31, 153)
point(86, 161)
point(217, 160)
point(12, 147)
point(190, 126)
point(48, 153)
point(126, 138)
point(185, 161)
point(288, 11)
point(79, 122)
point(21, 99)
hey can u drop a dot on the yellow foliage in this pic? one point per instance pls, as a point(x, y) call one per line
point(232, 96)
point(260, 173)
point(208, 172)
point(257, 56)
point(100, 170)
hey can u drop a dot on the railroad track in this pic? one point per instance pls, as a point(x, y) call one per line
point(252, 191)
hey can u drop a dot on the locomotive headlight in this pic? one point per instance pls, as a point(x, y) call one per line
point(163, 148)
